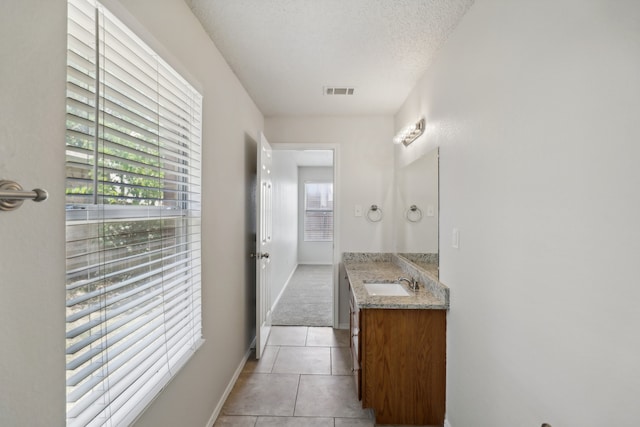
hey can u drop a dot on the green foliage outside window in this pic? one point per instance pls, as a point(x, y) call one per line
point(124, 176)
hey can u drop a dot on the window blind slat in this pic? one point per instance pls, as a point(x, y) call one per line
point(110, 312)
point(129, 320)
point(81, 109)
point(79, 71)
point(133, 120)
point(106, 291)
point(146, 378)
point(84, 265)
point(131, 335)
point(147, 257)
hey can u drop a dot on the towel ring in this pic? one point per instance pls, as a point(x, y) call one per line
point(414, 214)
point(374, 214)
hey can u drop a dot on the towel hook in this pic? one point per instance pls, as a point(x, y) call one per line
point(374, 214)
point(12, 195)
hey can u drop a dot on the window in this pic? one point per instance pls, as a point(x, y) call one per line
point(318, 212)
point(133, 220)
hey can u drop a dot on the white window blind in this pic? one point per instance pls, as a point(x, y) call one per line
point(133, 199)
point(318, 212)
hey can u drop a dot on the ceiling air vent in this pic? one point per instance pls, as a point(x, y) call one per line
point(338, 90)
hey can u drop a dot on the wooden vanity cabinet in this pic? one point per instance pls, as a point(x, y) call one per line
point(400, 363)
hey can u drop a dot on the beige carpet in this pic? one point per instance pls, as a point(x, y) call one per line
point(307, 300)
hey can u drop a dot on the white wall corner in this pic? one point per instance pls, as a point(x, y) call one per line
point(227, 391)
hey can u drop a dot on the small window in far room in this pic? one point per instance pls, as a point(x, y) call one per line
point(318, 212)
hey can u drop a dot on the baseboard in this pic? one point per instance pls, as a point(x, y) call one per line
point(446, 422)
point(227, 391)
point(343, 326)
point(273, 306)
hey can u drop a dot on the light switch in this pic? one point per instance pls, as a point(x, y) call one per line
point(455, 238)
point(431, 211)
point(357, 211)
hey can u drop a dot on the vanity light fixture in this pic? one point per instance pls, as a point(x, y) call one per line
point(410, 133)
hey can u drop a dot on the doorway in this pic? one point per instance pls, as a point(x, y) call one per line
point(305, 230)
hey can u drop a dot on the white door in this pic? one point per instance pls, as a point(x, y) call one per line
point(264, 202)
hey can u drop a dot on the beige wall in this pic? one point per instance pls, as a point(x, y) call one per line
point(535, 106)
point(32, 107)
point(32, 272)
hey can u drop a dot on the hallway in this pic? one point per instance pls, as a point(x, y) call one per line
point(303, 380)
point(307, 299)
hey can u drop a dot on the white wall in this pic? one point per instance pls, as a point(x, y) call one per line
point(365, 175)
point(535, 107)
point(284, 259)
point(312, 252)
point(32, 129)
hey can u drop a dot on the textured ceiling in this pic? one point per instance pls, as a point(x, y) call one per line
point(285, 51)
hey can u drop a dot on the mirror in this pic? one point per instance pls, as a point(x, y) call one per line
point(416, 207)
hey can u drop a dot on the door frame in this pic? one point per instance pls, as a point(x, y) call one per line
point(301, 146)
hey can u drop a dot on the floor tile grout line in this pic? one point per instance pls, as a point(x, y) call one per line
point(330, 362)
point(275, 359)
point(295, 402)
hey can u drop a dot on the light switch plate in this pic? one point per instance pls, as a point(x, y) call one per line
point(455, 238)
point(357, 211)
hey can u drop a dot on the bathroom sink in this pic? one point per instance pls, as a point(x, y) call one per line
point(386, 289)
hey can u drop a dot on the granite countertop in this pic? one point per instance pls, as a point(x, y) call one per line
point(361, 269)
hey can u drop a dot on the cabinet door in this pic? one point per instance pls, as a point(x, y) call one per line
point(403, 359)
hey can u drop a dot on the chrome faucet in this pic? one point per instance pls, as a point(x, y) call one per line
point(413, 283)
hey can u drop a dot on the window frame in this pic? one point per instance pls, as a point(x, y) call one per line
point(177, 214)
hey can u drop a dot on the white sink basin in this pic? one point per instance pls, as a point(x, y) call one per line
point(386, 289)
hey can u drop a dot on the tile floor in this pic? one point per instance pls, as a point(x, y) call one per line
point(303, 380)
